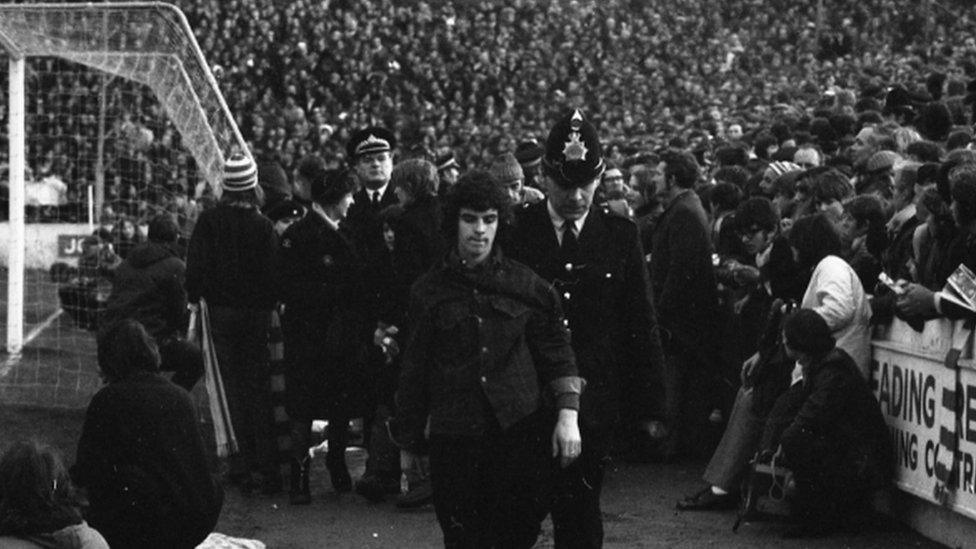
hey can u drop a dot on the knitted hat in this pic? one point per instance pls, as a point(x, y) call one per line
point(806, 331)
point(529, 153)
point(807, 156)
point(240, 173)
point(573, 156)
point(506, 169)
point(272, 177)
point(776, 169)
point(881, 161)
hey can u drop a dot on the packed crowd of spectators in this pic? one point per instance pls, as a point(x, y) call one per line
point(475, 77)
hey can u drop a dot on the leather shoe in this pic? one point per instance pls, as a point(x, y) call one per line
point(420, 494)
point(707, 500)
point(375, 489)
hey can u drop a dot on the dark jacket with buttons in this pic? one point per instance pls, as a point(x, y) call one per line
point(609, 309)
point(484, 343)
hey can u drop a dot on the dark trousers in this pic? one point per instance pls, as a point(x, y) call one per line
point(384, 456)
point(182, 358)
point(490, 490)
point(240, 338)
point(576, 516)
point(312, 393)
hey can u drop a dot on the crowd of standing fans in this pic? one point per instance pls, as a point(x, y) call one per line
point(600, 235)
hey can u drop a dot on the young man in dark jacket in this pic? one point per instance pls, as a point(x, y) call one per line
point(148, 287)
point(488, 349)
point(230, 264)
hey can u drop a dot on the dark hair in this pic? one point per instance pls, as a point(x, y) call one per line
point(329, 187)
point(416, 176)
point(830, 185)
point(925, 151)
point(867, 210)
point(756, 212)
point(36, 493)
point(806, 331)
point(725, 196)
point(963, 183)
point(736, 175)
point(163, 228)
point(250, 197)
point(479, 191)
point(125, 348)
point(683, 167)
point(814, 237)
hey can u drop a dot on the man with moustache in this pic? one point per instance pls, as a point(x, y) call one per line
point(594, 259)
point(370, 154)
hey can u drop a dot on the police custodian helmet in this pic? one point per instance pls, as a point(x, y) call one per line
point(573, 155)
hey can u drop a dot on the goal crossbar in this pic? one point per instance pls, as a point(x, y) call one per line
point(150, 43)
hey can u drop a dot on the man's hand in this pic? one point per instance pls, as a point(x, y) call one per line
point(566, 441)
point(654, 428)
point(917, 300)
point(748, 366)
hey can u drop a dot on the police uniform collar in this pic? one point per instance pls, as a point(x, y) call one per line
point(381, 190)
point(558, 220)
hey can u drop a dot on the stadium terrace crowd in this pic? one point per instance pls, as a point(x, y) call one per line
point(511, 284)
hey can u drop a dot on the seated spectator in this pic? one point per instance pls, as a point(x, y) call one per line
point(148, 287)
point(39, 507)
point(141, 456)
point(836, 294)
point(125, 236)
point(828, 430)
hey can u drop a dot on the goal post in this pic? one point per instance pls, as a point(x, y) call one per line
point(131, 58)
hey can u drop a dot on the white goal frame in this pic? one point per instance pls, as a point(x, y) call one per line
point(208, 147)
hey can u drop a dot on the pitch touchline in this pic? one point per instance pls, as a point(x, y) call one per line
point(14, 359)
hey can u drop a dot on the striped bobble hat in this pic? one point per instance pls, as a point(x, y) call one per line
point(776, 169)
point(240, 173)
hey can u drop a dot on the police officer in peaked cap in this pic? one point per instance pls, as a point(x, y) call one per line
point(595, 260)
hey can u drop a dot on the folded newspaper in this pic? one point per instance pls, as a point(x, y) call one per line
point(961, 288)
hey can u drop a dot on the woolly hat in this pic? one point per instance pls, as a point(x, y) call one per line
point(240, 173)
point(272, 177)
point(807, 156)
point(529, 153)
point(776, 169)
point(881, 161)
point(806, 331)
point(573, 155)
point(506, 169)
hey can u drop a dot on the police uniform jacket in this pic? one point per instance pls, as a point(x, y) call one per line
point(485, 341)
point(609, 309)
point(322, 284)
point(364, 223)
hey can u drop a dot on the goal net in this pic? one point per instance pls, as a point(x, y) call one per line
point(111, 116)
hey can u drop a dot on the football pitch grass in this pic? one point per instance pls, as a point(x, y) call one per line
point(57, 367)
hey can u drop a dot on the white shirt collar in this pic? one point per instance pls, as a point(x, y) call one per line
point(557, 222)
point(334, 223)
point(381, 190)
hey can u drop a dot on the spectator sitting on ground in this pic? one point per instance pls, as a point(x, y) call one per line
point(39, 507)
point(141, 456)
point(829, 431)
